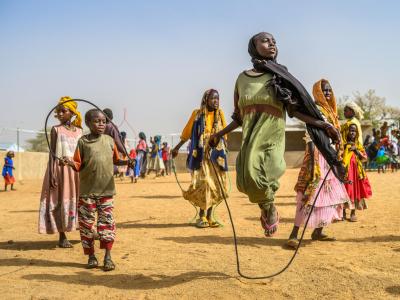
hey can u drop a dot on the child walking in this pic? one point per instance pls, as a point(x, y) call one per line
point(60, 190)
point(94, 159)
point(353, 157)
point(8, 171)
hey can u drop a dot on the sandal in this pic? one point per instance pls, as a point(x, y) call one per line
point(92, 262)
point(353, 218)
point(322, 238)
point(268, 228)
point(65, 244)
point(202, 223)
point(293, 243)
point(108, 265)
point(213, 224)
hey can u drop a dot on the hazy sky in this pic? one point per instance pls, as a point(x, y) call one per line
point(156, 58)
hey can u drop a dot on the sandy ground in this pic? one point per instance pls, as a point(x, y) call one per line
point(159, 256)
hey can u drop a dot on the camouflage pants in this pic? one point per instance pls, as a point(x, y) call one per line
point(87, 208)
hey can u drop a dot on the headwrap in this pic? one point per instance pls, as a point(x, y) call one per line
point(142, 136)
point(73, 107)
point(328, 109)
point(357, 110)
point(199, 140)
point(290, 91)
point(347, 154)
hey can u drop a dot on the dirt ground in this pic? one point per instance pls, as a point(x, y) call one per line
point(158, 255)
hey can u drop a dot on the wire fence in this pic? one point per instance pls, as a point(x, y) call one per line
point(21, 139)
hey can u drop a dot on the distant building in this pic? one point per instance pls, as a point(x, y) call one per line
point(11, 147)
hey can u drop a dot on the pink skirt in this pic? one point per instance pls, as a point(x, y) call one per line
point(329, 204)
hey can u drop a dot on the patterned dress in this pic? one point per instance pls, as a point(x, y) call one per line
point(58, 206)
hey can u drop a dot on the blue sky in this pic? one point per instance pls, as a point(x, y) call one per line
point(156, 58)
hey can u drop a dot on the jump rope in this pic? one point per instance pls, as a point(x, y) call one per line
point(222, 192)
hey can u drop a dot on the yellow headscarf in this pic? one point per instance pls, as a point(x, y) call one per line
point(329, 109)
point(347, 154)
point(73, 107)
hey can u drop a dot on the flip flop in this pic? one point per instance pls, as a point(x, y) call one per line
point(353, 218)
point(268, 227)
point(213, 224)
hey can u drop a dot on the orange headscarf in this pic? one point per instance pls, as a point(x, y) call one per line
point(67, 102)
point(329, 109)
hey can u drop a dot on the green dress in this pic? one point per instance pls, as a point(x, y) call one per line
point(260, 162)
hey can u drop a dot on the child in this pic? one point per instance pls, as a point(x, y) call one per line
point(94, 157)
point(330, 202)
point(204, 190)
point(133, 173)
point(8, 171)
point(261, 100)
point(354, 154)
point(60, 190)
point(141, 151)
point(166, 158)
point(156, 163)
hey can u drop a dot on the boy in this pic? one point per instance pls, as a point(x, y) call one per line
point(94, 158)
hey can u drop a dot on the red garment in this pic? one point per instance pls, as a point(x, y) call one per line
point(9, 179)
point(359, 188)
point(132, 154)
point(164, 154)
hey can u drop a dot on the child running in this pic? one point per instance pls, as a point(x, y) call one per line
point(94, 157)
point(353, 157)
point(8, 169)
point(60, 190)
point(204, 190)
point(333, 195)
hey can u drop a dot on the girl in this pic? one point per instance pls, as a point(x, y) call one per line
point(204, 190)
point(156, 163)
point(8, 171)
point(141, 150)
point(262, 97)
point(354, 154)
point(329, 205)
point(133, 172)
point(94, 158)
point(60, 188)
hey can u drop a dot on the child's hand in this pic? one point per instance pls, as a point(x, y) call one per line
point(131, 164)
point(214, 140)
point(67, 161)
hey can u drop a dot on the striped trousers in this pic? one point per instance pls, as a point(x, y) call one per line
point(87, 208)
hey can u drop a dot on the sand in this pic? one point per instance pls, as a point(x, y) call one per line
point(158, 255)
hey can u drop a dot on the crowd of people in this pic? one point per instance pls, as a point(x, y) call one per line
point(79, 180)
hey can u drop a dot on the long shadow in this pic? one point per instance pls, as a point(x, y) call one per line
point(149, 225)
point(32, 245)
point(373, 239)
point(128, 281)
point(255, 242)
point(156, 197)
point(17, 262)
point(281, 219)
point(24, 211)
point(394, 289)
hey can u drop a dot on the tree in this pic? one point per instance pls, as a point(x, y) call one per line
point(374, 107)
point(38, 143)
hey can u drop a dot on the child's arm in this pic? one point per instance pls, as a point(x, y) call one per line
point(76, 162)
point(52, 160)
point(118, 161)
